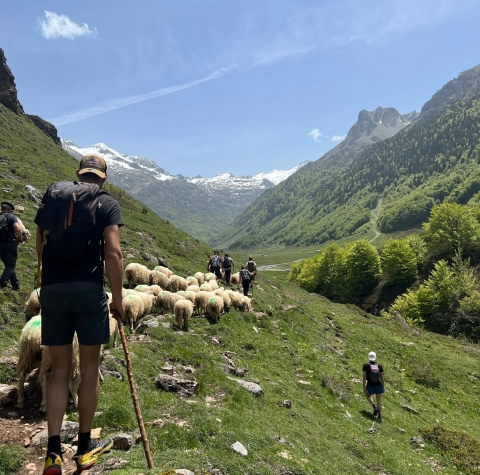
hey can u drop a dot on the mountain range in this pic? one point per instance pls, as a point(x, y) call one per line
point(399, 179)
point(204, 207)
point(200, 206)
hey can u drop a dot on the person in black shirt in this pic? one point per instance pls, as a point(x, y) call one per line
point(373, 383)
point(227, 268)
point(74, 301)
point(10, 236)
point(245, 277)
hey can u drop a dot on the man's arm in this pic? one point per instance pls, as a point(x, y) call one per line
point(114, 267)
point(18, 231)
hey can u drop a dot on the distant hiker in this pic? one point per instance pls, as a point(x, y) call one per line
point(252, 268)
point(245, 277)
point(10, 236)
point(214, 264)
point(227, 268)
point(373, 383)
point(77, 239)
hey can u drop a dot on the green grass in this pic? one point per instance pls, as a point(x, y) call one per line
point(12, 458)
point(310, 351)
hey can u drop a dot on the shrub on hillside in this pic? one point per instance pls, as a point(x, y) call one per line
point(399, 263)
point(12, 458)
point(451, 226)
point(418, 246)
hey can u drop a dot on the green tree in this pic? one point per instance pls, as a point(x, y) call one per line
point(450, 227)
point(358, 270)
point(399, 263)
point(418, 246)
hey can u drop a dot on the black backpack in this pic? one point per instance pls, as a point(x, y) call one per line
point(374, 373)
point(3, 227)
point(215, 261)
point(251, 266)
point(227, 263)
point(245, 275)
point(67, 219)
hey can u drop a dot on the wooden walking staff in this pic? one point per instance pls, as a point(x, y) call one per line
point(133, 392)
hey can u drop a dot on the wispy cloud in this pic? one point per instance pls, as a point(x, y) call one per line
point(61, 26)
point(108, 106)
point(316, 135)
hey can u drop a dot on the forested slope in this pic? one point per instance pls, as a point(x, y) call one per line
point(427, 162)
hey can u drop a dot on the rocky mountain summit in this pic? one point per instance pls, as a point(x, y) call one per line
point(200, 206)
point(370, 128)
point(9, 98)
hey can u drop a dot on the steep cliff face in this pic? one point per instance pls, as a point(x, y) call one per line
point(8, 91)
point(46, 127)
point(8, 97)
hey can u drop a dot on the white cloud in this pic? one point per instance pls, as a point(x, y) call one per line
point(56, 26)
point(108, 106)
point(338, 138)
point(316, 135)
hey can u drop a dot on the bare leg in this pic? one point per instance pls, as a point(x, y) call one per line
point(57, 387)
point(379, 404)
point(89, 386)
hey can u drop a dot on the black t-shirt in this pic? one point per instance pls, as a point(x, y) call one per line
point(11, 220)
point(88, 267)
point(366, 368)
point(227, 263)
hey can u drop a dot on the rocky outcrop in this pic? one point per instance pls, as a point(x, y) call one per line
point(46, 127)
point(370, 128)
point(8, 91)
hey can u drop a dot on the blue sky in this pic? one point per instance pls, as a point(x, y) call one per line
point(209, 86)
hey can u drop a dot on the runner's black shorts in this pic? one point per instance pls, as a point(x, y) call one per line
point(80, 307)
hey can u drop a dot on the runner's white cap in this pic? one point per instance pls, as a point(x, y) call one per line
point(372, 356)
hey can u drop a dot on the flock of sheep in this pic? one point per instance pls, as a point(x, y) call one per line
point(158, 290)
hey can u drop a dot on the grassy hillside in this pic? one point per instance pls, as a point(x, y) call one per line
point(426, 163)
point(304, 349)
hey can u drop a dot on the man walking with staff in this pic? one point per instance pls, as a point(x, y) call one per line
point(77, 233)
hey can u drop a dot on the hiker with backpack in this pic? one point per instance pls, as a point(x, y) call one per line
point(77, 237)
point(214, 264)
point(373, 383)
point(10, 236)
point(252, 268)
point(245, 277)
point(227, 268)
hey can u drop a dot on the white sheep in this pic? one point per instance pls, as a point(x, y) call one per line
point(200, 276)
point(201, 301)
point(159, 278)
point(193, 288)
point(189, 295)
point(73, 381)
point(206, 287)
point(215, 307)
point(235, 278)
point(213, 284)
point(33, 304)
point(137, 274)
point(192, 280)
point(25, 232)
point(227, 303)
point(164, 270)
point(134, 308)
point(210, 276)
point(183, 310)
point(177, 283)
point(165, 301)
point(246, 305)
point(30, 355)
point(235, 298)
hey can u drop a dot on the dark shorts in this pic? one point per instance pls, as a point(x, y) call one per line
point(378, 389)
point(80, 307)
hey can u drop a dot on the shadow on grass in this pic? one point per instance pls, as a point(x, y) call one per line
point(367, 415)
